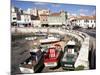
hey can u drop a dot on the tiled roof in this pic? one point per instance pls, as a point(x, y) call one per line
point(55, 14)
point(87, 17)
point(83, 17)
point(44, 15)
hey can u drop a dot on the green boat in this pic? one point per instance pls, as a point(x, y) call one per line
point(69, 56)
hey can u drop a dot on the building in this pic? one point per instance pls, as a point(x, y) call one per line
point(32, 11)
point(14, 16)
point(35, 21)
point(86, 21)
point(43, 11)
point(57, 19)
point(44, 20)
point(38, 18)
point(37, 12)
point(24, 21)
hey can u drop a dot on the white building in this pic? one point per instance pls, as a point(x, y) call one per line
point(43, 11)
point(32, 11)
point(37, 12)
point(36, 23)
point(84, 21)
point(15, 15)
point(24, 21)
point(14, 12)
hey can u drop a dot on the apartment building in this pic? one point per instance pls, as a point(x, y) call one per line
point(57, 19)
point(43, 11)
point(14, 14)
point(32, 11)
point(35, 21)
point(86, 21)
point(44, 20)
point(24, 21)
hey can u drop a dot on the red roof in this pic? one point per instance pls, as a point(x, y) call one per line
point(87, 17)
point(83, 17)
point(44, 15)
point(55, 14)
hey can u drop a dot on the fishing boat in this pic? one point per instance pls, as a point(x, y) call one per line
point(39, 33)
point(53, 56)
point(34, 63)
point(49, 39)
point(70, 55)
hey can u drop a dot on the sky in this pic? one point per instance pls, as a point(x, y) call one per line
point(72, 9)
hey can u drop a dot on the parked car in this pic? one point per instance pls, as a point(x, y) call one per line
point(69, 56)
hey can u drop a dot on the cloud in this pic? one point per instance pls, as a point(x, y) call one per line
point(68, 14)
point(81, 14)
point(55, 5)
point(74, 14)
point(83, 10)
point(40, 3)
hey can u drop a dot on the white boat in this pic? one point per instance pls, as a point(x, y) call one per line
point(49, 39)
point(30, 38)
point(27, 68)
point(71, 42)
point(41, 33)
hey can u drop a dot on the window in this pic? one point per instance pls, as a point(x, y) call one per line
point(92, 25)
point(52, 52)
point(91, 21)
point(14, 18)
point(87, 21)
point(43, 20)
point(25, 20)
point(43, 11)
point(94, 21)
point(69, 51)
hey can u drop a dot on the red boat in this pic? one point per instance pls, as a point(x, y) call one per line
point(53, 56)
